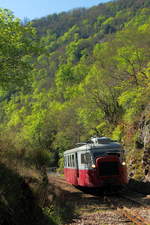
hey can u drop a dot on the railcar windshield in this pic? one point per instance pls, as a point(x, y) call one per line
point(98, 154)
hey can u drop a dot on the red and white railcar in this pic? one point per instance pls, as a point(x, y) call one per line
point(98, 163)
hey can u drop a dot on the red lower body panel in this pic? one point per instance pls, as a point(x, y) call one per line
point(71, 176)
point(92, 178)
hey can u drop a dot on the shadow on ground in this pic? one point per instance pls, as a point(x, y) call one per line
point(139, 186)
point(18, 206)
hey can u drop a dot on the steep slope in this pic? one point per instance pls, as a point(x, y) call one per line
point(61, 23)
point(90, 76)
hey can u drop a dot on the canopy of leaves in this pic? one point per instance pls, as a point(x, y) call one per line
point(91, 73)
point(16, 49)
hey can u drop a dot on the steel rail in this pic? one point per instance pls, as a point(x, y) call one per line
point(132, 216)
point(135, 200)
point(128, 213)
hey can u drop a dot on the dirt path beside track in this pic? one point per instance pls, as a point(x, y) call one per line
point(84, 208)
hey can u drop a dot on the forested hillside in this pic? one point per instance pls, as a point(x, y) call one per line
point(69, 76)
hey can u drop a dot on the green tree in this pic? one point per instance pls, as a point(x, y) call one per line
point(15, 45)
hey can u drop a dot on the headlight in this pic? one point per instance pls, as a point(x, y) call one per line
point(93, 166)
point(123, 163)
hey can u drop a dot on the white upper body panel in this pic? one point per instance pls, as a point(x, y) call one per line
point(98, 147)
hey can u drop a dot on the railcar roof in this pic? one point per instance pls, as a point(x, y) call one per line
point(109, 146)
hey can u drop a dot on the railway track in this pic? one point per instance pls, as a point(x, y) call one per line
point(135, 218)
point(138, 212)
point(98, 209)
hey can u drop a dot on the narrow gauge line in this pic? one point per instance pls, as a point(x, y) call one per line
point(132, 216)
point(134, 200)
point(128, 213)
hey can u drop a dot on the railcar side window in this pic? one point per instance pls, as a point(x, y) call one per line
point(65, 160)
point(73, 161)
point(70, 163)
point(69, 160)
point(85, 158)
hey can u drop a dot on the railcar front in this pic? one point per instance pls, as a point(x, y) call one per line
point(96, 164)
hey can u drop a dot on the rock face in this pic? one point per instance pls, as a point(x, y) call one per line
point(144, 140)
point(139, 154)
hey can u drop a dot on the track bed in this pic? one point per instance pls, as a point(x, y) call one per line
point(96, 208)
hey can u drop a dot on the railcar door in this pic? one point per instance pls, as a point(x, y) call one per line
point(77, 165)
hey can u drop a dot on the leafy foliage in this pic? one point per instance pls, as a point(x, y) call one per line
point(15, 48)
point(90, 75)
